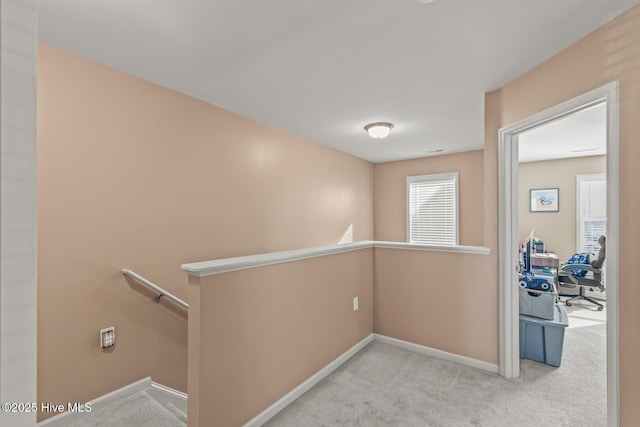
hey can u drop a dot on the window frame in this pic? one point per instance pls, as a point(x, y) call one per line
point(429, 178)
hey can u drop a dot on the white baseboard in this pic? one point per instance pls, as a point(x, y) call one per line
point(164, 395)
point(157, 391)
point(280, 404)
point(65, 418)
point(491, 367)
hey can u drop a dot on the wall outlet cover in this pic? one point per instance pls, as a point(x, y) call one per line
point(107, 337)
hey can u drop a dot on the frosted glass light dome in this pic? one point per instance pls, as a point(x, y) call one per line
point(378, 130)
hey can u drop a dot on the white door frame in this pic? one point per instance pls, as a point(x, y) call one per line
point(18, 225)
point(508, 234)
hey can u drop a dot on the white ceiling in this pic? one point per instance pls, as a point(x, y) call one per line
point(323, 69)
point(580, 134)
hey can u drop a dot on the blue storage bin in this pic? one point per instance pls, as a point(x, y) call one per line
point(542, 340)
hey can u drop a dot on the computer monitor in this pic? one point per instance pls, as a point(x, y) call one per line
point(529, 244)
point(527, 254)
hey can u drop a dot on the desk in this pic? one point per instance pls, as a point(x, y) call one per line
point(545, 260)
point(548, 261)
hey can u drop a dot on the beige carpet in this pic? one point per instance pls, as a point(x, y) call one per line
point(387, 386)
point(583, 313)
point(137, 410)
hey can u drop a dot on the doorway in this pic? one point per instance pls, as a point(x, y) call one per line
point(508, 232)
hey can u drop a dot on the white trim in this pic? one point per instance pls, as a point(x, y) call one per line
point(478, 250)
point(208, 268)
point(164, 395)
point(508, 219)
point(18, 183)
point(509, 353)
point(225, 265)
point(429, 351)
point(65, 418)
point(613, 375)
point(159, 392)
point(282, 403)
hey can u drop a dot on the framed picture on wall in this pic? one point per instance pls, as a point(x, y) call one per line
point(544, 200)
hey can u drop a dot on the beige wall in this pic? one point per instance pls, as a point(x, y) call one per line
point(610, 53)
point(556, 229)
point(261, 332)
point(436, 299)
point(121, 135)
point(132, 175)
point(391, 189)
point(425, 297)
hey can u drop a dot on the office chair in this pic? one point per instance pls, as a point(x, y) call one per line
point(585, 276)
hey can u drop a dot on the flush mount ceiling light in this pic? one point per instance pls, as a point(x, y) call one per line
point(378, 130)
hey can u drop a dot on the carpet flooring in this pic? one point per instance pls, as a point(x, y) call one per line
point(384, 385)
point(137, 410)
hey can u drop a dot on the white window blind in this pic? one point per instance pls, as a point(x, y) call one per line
point(592, 211)
point(432, 209)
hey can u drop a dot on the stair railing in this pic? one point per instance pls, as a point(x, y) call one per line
point(161, 292)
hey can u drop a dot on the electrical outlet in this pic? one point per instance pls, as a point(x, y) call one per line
point(355, 304)
point(107, 337)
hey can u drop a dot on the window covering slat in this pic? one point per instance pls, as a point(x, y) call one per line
point(433, 210)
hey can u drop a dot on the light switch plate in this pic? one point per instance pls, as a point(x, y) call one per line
point(355, 304)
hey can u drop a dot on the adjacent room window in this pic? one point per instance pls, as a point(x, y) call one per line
point(591, 218)
point(432, 209)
